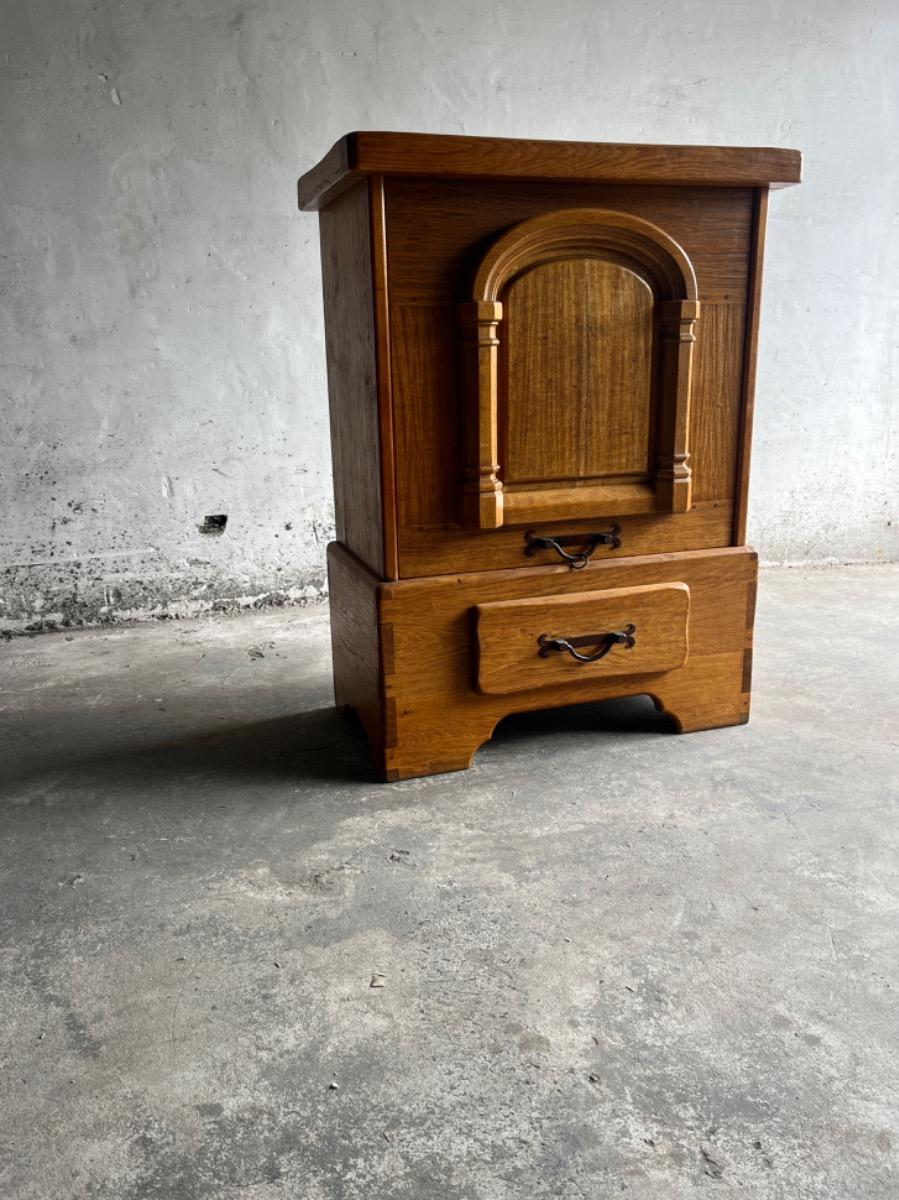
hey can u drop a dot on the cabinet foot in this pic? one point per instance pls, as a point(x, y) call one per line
point(424, 752)
point(692, 713)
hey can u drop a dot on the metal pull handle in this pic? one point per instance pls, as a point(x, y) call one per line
point(589, 542)
point(603, 642)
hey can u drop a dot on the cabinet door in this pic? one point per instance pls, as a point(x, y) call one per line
point(576, 351)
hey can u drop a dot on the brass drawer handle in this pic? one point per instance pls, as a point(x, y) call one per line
point(589, 542)
point(604, 642)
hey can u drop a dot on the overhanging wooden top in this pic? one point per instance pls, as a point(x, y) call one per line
point(453, 157)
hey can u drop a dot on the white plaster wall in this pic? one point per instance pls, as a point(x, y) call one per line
point(161, 316)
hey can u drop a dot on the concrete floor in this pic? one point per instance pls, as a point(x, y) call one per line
point(613, 960)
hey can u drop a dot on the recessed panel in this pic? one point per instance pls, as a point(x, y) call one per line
point(576, 373)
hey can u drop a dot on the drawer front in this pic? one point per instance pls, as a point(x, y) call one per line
point(530, 643)
point(449, 548)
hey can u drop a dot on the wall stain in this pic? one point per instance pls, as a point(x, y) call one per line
point(70, 603)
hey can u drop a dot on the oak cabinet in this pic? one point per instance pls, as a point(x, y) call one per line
point(541, 361)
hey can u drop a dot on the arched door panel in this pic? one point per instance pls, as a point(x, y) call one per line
point(577, 351)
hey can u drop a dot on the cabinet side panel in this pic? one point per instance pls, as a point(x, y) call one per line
point(352, 374)
point(385, 382)
point(750, 352)
point(355, 645)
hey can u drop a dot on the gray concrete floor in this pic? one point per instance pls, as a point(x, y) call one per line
point(614, 960)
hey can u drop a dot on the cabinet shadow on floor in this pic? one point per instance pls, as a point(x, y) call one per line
point(627, 714)
point(315, 746)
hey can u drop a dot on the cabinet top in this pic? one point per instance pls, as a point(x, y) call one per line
point(452, 157)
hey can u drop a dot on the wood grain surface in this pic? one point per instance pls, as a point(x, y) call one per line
point(509, 632)
point(355, 400)
point(437, 237)
point(577, 343)
point(427, 715)
point(448, 156)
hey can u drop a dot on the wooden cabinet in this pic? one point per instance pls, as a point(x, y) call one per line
point(541, 359)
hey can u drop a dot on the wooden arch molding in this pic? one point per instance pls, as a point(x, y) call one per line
point(583, 233)
point(580, 233)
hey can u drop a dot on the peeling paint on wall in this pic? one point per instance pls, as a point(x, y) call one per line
point(80, 597)
point(200, 575)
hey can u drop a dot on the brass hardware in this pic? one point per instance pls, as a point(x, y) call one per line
point(605, 642)
point(589, 541)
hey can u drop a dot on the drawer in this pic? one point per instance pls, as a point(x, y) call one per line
point(552, 640)
point(446, 549)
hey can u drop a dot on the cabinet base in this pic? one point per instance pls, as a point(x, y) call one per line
point(404, 652)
